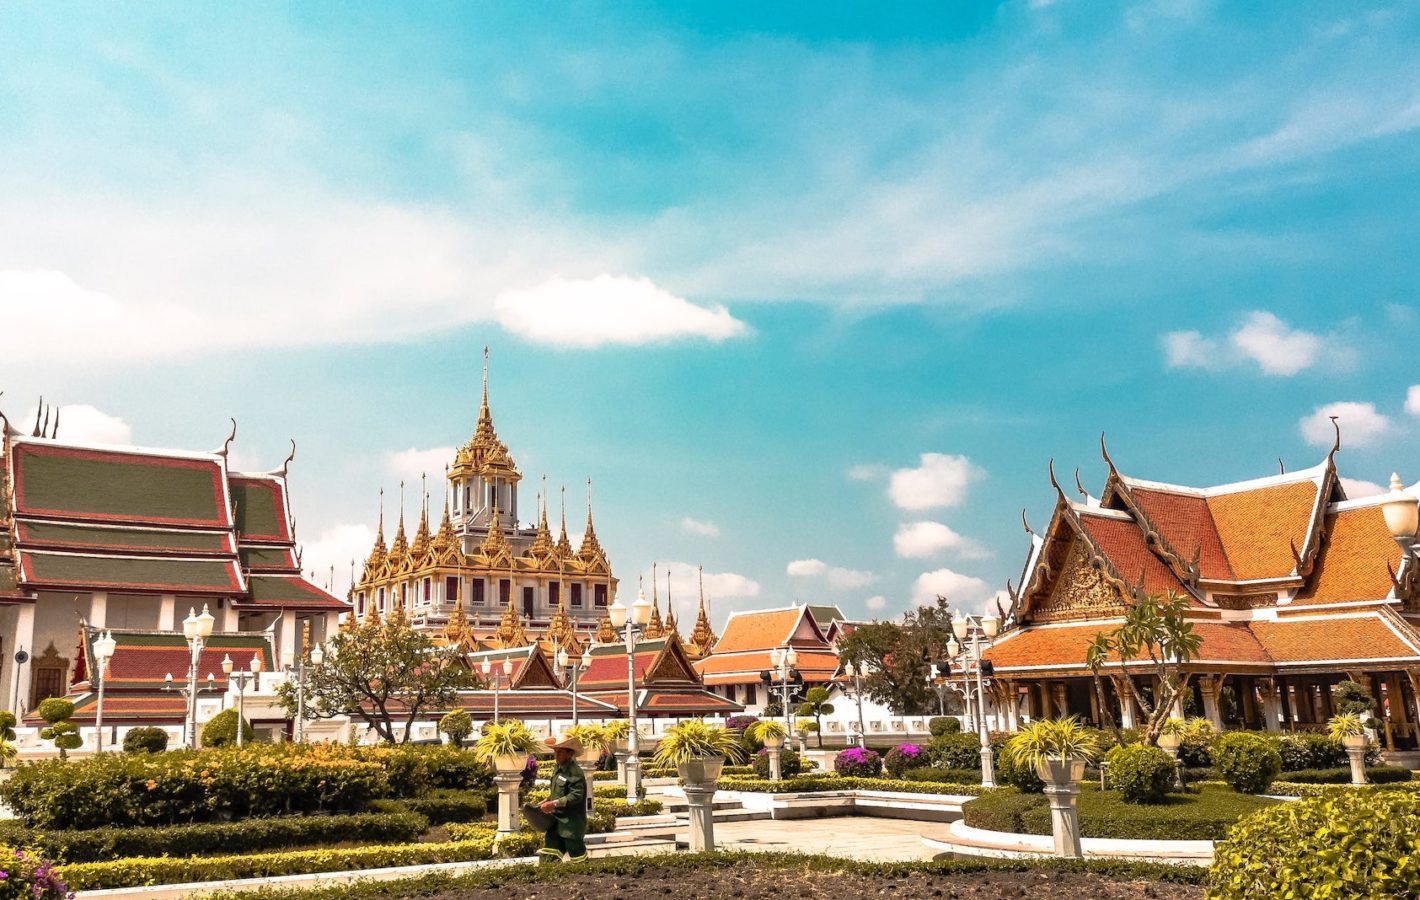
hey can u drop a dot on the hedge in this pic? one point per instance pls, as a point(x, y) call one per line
point(1247, 762)
point(446, 805)
point(1206, 815)
point(943, 776)
point(813, 783)
point(144, 871)
point(1292, 789)
point(1376, 775)
point(98, 844)
point(1353, 844)
point(704, 868)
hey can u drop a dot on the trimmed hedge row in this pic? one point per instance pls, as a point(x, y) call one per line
point(99, 844)
point(446, 805)
point(1288, 789)
point(1376, 775)
point(1348, 843)
point(812, 783)
point(944, 776)
point(1206, 815)
point(144, 871)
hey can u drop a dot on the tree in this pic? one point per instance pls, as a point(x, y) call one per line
point(1096, 656)
point(457, 726)
point(1156, 630)
point(899, 656)
point(383, 673)
point(221, 730)
point(1353, 698)
point(816, 704)
point(62, 731)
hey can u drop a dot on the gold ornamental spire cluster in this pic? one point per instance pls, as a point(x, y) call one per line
point(485, 453)
point(703, 638)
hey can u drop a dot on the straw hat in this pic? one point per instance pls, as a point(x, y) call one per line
point(567, 743)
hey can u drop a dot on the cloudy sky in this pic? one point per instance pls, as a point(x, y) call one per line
point(812, 298)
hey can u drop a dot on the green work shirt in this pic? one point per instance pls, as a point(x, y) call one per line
point(569, 792)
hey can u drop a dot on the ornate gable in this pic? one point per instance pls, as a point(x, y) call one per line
point(1080, 590)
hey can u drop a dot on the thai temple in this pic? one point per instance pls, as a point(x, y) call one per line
point(130, 540)
point(1292, 586)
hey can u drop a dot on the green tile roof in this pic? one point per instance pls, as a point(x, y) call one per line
point(267, 558)
point(178, 576)
point(107, 486)
point(57, 534)
point(258, 514)
point(290, 590)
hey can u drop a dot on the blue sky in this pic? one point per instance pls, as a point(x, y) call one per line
point(812, 296)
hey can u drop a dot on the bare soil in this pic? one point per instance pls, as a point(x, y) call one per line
point(754, 883)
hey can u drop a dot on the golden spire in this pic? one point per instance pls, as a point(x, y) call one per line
point(377, 552)
point(399, 547)
point(591, 548)
point(495, 541)
point(456, 632)
point(397, 615)
point(542, 548)
point(564, 544)
point(606, 634)
point(420, 547)
point(510, 630)
point(702, 639)
point(445, 539)
point(485, 454)
point(670, 607)
point(561, 633)
point(654, 628)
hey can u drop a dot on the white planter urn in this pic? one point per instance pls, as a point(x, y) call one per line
point(700, 775)
point(1354, 741)
point(510, 763)
point(773, 742)
point(703, 770)
point(1062, 788)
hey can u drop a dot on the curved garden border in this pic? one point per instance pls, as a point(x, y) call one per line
point(963, 840)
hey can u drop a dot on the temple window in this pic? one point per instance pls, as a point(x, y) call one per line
point(599, 595)
point(554, 594)
point(576, 595)
point(451, 589)
point(505, 591)
point(428, 590)
point(381, 604)
point(478, 585)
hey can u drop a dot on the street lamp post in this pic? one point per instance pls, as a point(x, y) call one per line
point(631, 622)
point(856, 675)
point(489, 672)
point(292, 664)
point(977, 628)
point(196, 629)
point(103, 652)
point(784, 659)
point(565, 660)
point(241, 679)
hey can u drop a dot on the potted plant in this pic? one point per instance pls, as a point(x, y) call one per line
point(698, 751)
point(1349, 730)
point(1057, 749)
point(505, 745)
point(595, 741)
point(618, 731)
point(1171, 735)
point(769, 732)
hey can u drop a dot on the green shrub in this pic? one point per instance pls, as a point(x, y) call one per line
point(1347, 843)
point(57, 712)
point(138, 871)
point(1247, 762)
point(1376, 775)
point(815, 783)
point(1308, 750)
point(1195, 748)
point(790, 763)
point(416, 769)
point(940, 725)
point(1206, 815)
point(1022, 777)
point(444, 805)
point(943, 776)
point(98, 844)
point(903, 757)
point(7, 725)
point(955, 750)
point(221, 730)
point(1141, 774)
point(457, 726)
point(145, 740)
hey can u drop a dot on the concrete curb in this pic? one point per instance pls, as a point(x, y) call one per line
point(963, 840)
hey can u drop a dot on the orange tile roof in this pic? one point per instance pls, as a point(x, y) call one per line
point(1187, 524)
point(810, 662)
point(1258, 526)
point(1326, 638)
point(758, 630)
point(1352, 564)
point(1123, 543)
point(1064, 646)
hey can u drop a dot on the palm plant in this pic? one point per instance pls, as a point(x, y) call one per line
point(816, 705)
point(1054, 747)
point(8, 752)
point(1347, 729)
point(595, 740)
point(698, 750)
point(506, 744)
point(769, 732)
point(618, 731)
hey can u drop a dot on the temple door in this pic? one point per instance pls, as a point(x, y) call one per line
point(49, 676)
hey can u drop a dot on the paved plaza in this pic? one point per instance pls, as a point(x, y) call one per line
point(849, 837)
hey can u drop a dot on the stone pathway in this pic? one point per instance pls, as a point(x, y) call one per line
point(850, 837)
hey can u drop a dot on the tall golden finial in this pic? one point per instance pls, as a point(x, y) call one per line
point(670, 607)
point(654, 628)
point(399, 547)
point(591, 548)
point(702, 637)
point(564, 544)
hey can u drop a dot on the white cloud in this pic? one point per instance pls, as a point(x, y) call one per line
point(1412, 400)
point(1261, 338)
point(836, 576)
point(961, 590)
point(412, 464)
point(82, 424)
point(695, 526)
point(877, 602)
point(724, 591)
point(1361, 425)
point(867, 472)
point(609, 309)
point(940, 480)
point(1356, 488)
point(807, 568)
point(918, 539)
point(337, 546)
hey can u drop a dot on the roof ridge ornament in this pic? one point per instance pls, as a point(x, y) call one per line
point(227, 444)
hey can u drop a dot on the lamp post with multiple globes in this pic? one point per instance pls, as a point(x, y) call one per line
point(490, 672)
point(196, 629)
point(856, 674)
point(576, 667)
point(103, 652)
point(980, 629)
point(631, 623)
point(296, 665)
point(241, 679)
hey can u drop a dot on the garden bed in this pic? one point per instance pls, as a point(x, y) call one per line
point(1206, 815)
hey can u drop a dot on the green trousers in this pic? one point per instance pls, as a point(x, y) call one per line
point(554, 845)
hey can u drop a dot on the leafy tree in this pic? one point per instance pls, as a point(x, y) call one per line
point(1353, 698)
point(62, 730)
point(1096, 656)
point(816, 704)
point(457, 726)
point(899, 655)
point(221, 730)
point(383, 673)
point(1156, 630)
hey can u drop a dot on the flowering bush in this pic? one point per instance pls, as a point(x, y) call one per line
point(855, 762)
point(903, 757)
point(29, 877)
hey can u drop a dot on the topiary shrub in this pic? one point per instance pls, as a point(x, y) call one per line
point(1349, 843)
point(940, 725)
point(457, 726)
point(855, 762)
point(955, 751)
point(1308, 750)
point(145, 740)
point(790, 763)
point(1247, 762)
point(7, 725)
point(1195, 747)
point(64, 733)
point(1141, 774)
point(221, 730)
point(903, 757)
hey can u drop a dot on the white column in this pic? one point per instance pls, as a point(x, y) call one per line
point(98, 609)
point(229, 617)
point(288, 634)
point(20, 674)
point(1209, 688)
point(167, 619)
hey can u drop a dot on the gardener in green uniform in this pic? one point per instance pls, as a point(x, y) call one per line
point(567, 804)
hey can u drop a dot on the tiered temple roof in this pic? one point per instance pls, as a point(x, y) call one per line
point(749, 639)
